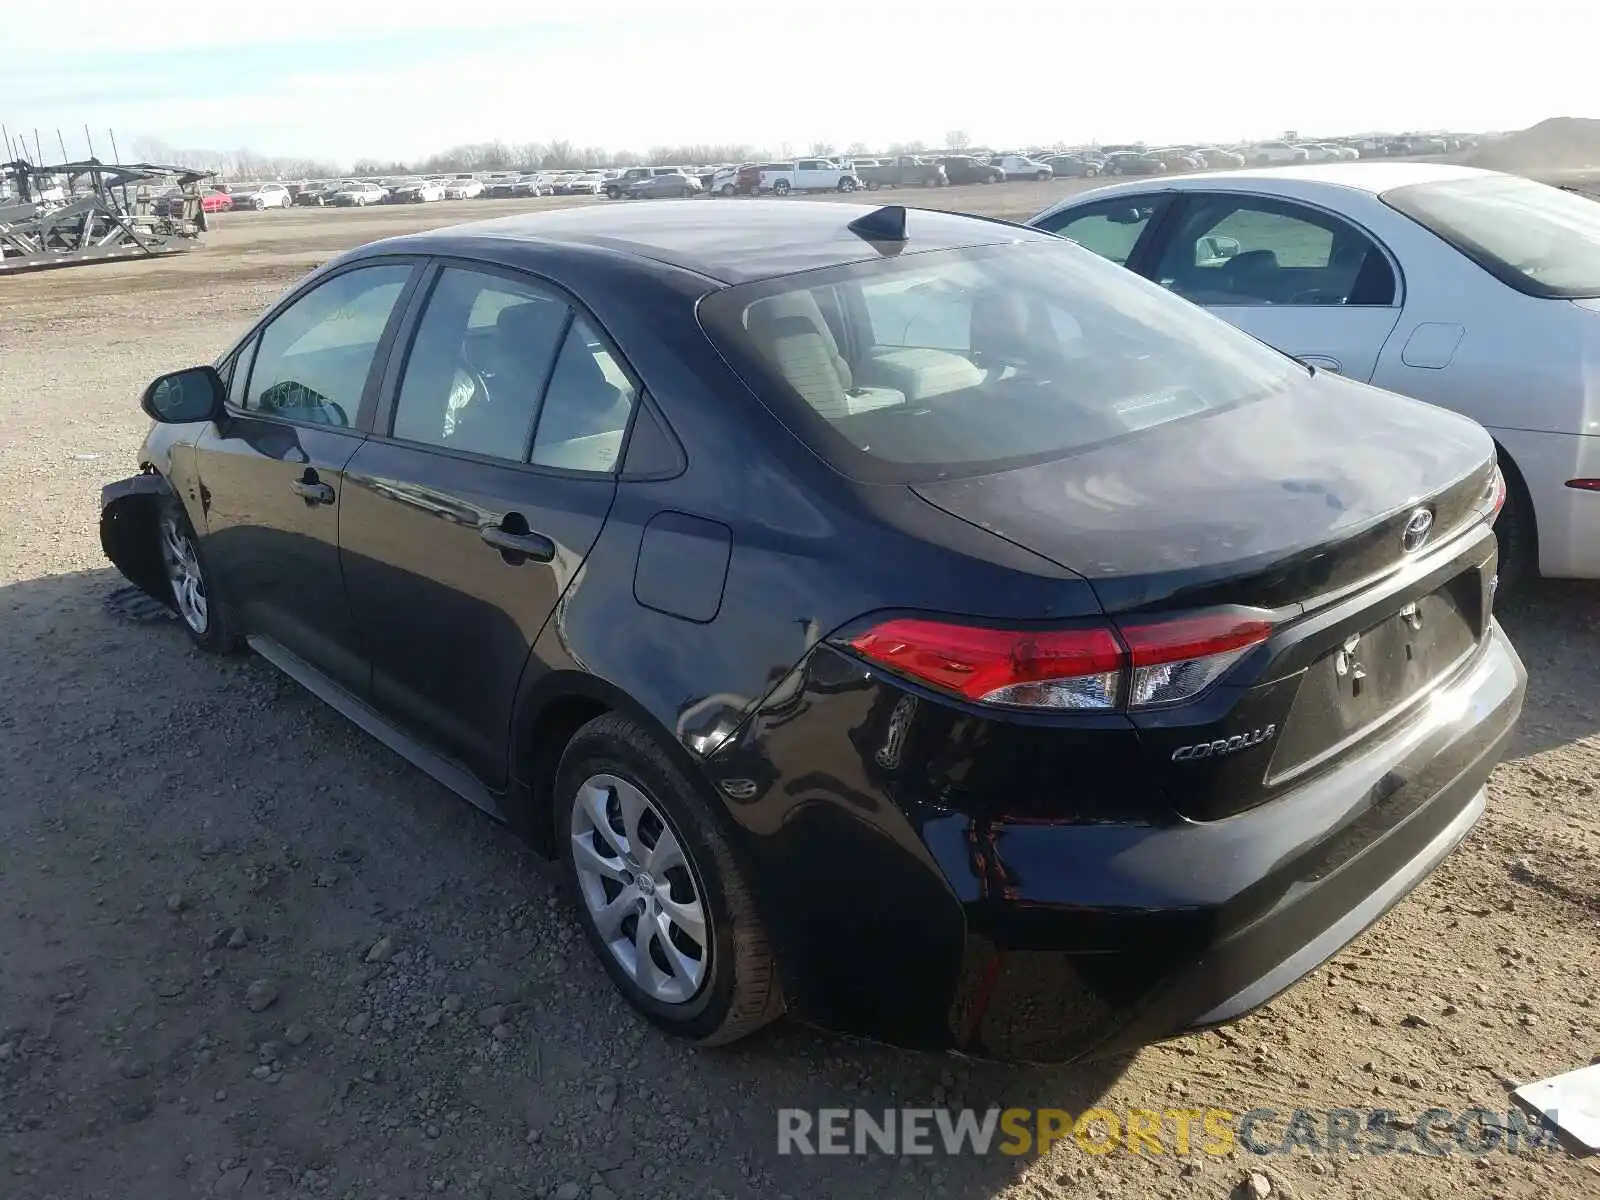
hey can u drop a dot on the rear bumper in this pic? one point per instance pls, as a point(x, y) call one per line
point(1263, 898)
point(1051, 941)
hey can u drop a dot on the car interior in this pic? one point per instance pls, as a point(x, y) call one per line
point(1279, 260)
point(473, 380)
point(1022, 383)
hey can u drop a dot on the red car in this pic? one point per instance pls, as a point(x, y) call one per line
point(211, 201)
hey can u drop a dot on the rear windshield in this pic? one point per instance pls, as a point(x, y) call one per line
point(1539, 239)
point(964, 362)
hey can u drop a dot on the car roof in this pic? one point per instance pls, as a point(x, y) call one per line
point(1372, 177)
point(728, 243)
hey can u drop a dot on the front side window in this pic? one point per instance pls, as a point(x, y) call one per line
point(1111, 229)
point(478, 365)
point(1542, 240)
point(1244, 250)
point(962, 362)
point(314, 358)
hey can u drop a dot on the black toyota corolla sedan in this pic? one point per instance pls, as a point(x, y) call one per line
point(906, 620)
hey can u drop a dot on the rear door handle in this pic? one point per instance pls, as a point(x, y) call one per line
point(310, 489)
point(517, 548)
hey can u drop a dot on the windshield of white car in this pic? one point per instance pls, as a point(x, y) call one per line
point(1541, 240)
point(966, 362)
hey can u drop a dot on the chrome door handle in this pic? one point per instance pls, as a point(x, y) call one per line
point(311, 491)
point(518, 548)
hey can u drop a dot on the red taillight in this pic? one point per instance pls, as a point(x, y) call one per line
point(1177, 660)
point(1001, 666)
point(1148, 665)
point(1585, 485)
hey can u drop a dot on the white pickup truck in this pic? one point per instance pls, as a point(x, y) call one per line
point(808, 175)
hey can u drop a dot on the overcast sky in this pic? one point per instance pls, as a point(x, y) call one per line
point(397, 79)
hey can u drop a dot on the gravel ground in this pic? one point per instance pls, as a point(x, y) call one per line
point(247, 951)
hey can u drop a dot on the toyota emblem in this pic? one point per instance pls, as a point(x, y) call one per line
point(1418, 526)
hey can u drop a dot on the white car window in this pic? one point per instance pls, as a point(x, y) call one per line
point(1245, 251)
point(1111, 229)
point(1541, 240)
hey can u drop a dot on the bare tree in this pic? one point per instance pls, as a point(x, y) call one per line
point(858, 149)
point(957, 139)
point(821, 149)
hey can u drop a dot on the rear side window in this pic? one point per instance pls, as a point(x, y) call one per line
point(1541, 240)
point(967, 361)
point(478, 365)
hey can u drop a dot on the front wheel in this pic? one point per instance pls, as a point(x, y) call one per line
point(847, 185)
point(189, 582)
point(873, 185)
point(659, 895)
point(726, 189)
point(1041, 176)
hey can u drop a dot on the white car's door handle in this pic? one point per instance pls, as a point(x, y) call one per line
point(1322, 362)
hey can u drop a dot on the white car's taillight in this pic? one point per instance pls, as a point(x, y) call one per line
point(1098, 667)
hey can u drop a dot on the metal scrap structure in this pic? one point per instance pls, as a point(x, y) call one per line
point(106, 211)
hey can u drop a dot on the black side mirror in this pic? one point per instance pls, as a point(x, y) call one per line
point(195, 394)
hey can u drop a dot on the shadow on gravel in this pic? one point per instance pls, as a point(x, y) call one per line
point(1555, 626)
point(179, 828)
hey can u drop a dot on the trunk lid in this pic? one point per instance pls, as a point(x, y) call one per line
point(1297, 504)
point(1269, 504)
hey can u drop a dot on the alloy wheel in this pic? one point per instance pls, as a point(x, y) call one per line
point(640, 889)
point(182, 564)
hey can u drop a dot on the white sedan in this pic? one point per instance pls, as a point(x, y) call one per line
point(463, 189)
point(1469, 289)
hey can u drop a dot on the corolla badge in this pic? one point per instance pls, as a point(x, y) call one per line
point(1418, 526)
point(1228, 745)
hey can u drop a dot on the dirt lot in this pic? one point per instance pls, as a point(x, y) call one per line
point(174, 829)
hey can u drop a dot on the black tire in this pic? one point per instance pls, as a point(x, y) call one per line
point(741, 992)
point(1517, 534)
point(217, 635)
point(1041, 176)
point(781, 188)
point(873, 185)
point(726, 189)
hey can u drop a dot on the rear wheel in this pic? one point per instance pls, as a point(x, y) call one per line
point(872, 185)
point(659, 895)
point(1041, 176)
point(726, 189)
point(189, 582)
point(847, 185)
point(781, 188)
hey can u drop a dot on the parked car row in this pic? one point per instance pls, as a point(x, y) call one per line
point(817, 174)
